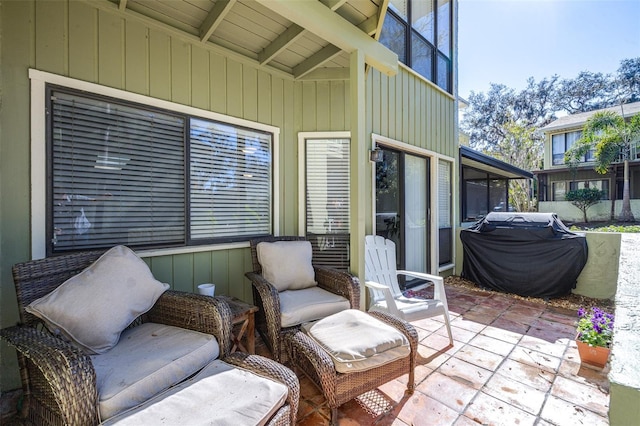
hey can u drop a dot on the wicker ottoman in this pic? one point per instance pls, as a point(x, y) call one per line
point(315, 362)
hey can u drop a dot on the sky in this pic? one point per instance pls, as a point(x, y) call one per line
point(508, 41)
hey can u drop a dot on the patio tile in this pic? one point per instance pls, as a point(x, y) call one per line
point(535, 358)
point(465, 372)
point(428, 324)
point(541, 345)
point(488, 410)
point(515, 393)
point(479, 318)
point(421, 410)
point(479, 357)
point(500, 333)
point(560, 412)
point(585, 375)
point(584, 395)
point(447, 390)
point(465, 421)
point(510, 325)
point(526, 310)
point(491, 344)
point(459, 334)
point(532, 376)
point(467, 324)
point(561, 315)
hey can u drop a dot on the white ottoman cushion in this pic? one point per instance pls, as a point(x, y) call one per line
point(220, 394)
point(356, 341)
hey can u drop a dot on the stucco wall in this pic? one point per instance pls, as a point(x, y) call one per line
point(598, 278)
point(568, 213)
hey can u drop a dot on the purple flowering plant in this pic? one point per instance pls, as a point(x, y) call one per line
point(595, 327)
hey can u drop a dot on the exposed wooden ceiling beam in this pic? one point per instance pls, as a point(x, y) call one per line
point(382, 12)
point(327, 73)
point(317, 18)
point(283, 41)
point(370, 26)
point(333, 4)
point(215, 17)
point(317, 59)
point(122, 5)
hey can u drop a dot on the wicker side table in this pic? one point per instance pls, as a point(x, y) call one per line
point(338, 388)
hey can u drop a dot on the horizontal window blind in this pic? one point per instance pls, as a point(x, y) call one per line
point(230, 181)
point(444, 194)
point(117, 174)
point(327, 201)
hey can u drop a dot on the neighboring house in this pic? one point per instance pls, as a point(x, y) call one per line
point(183, 129)
point(556, 178)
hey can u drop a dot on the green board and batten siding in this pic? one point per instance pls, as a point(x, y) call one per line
point(94, 42)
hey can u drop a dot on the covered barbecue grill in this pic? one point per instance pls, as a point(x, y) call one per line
point(529, 254)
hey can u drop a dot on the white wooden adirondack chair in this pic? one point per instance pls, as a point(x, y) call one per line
point(381, 278)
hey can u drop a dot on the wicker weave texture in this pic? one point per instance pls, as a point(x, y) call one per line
point(266, 296)
point(339, 388)
point(58, 379)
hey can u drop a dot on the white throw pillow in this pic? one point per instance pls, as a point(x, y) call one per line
point(93, 307)
point(287, 264)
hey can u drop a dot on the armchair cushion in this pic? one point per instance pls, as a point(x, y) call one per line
point(220, 394)
point(357, 341)
point(148, 359)
point(309, 304)
point(287, 264)
point(92, 308)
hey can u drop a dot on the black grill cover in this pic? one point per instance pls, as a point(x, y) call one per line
point(529, 254)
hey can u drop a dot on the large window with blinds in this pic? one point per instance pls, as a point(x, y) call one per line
point(445, 229)
point(327, 200)
point(124, 173)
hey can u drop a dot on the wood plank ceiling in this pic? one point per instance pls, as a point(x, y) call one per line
point(255, 29)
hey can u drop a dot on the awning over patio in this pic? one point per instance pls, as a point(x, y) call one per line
point(493, 166)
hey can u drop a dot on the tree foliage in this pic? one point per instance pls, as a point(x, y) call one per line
point(583, 199)
point(540, 102)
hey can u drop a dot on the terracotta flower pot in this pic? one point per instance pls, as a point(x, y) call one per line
point(593, 355)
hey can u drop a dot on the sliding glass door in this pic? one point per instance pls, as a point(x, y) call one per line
point(402, 207)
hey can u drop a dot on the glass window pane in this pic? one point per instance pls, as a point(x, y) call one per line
point(230, 190)
point(421, 56)
point(423, 19)
point(557, 142)
point(444, 27)
point(498, 195)
point(475, 205)
point(327, 201)
point(415, 213)
point(444, 72)
point(559, 191)
point(399, 7)
point(393, 36)
point(117, 174)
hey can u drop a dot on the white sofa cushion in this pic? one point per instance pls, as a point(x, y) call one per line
point(92, 308)
point(149, 359)
point(309, 304)
point(356, 341)
point(287, 264)
point(221, 394)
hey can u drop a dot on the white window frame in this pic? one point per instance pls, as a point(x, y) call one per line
point(40, 79)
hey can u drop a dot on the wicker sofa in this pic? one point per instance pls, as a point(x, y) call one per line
point(273, 320)
point(59, 380)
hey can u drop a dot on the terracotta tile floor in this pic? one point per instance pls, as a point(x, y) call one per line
point(512, 362)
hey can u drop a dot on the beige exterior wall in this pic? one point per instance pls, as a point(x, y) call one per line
point(89, 42)
point(568, 213)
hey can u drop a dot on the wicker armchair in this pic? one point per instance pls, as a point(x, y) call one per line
point(58, 379)
point(266, 297)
